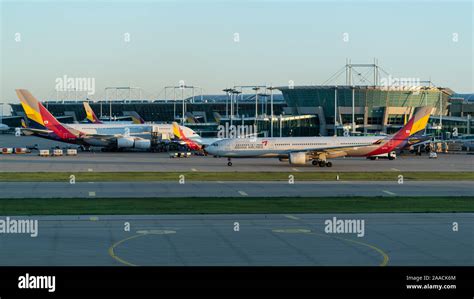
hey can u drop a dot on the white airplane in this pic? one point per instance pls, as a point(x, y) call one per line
point(300, 150)
point(4, 127)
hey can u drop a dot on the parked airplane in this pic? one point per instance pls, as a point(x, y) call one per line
point(92, 117)
point(113, 136)
point(300, 150)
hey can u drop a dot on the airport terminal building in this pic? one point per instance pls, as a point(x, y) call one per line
point(298, 110)
point(363, 109)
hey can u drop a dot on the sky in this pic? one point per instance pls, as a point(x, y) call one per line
point(196, 41)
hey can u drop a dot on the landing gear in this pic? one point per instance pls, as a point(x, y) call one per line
point(229, 163)
point(321, 163)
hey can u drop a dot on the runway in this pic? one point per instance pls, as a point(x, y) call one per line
point(197, 240)
point(233, 189)
point(160, 162)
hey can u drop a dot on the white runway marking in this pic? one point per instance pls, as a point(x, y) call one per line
point(388, 192)
point(243, 193)
point(91, 193)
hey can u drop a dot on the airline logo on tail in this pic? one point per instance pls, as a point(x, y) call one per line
point(90, 115)
point(40, 118)
point(416, 124)
point(178, 132)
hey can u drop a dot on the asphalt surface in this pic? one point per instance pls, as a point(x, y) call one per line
point(233, 189)
point(143, 161)
point(192, 240)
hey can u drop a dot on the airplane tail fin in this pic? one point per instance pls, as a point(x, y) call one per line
point(90, 115)
point(414, 126)
point(217, 117)
point(177, 131)
point(183, 134)
point(40, 118)
point(137, 119)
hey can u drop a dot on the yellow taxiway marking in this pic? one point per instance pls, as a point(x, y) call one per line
point(140, 233)
point(91, 193)
point(309, 232)
point(117, 258)
point(243, 193)
point(388, 192)
point(292, 217)
point(382, 253)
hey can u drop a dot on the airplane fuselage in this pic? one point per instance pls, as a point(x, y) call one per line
point(281, 147)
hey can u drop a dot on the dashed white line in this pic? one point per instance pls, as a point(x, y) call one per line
point(388, 192)
point(243, 193)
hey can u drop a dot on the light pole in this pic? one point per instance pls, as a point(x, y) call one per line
point(256, 103)
point(271, 109)
point(227, 91)
point(335, 110)
point(235, 93)
point(353, 110)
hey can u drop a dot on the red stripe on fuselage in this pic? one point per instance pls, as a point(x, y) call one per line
point(400, 137)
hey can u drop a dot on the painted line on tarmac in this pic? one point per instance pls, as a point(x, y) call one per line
point(243, 193)
point(388, 192)
point(140, 233)
point(292, 217)
point(385, 257)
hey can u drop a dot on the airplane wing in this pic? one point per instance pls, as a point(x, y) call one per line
point(30, 131)
point(340, 150)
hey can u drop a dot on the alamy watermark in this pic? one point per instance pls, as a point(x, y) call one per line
point(66, 83)
point(345, 226)
point(19, 226)
point(403, 82)
point(239, 131)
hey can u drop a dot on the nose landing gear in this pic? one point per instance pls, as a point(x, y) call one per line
point(229, 163)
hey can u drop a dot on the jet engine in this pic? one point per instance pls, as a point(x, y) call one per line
point(298, 158)
point(125, 142)
point(142, 144)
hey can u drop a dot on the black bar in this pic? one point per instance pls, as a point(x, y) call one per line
point(221, 282)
